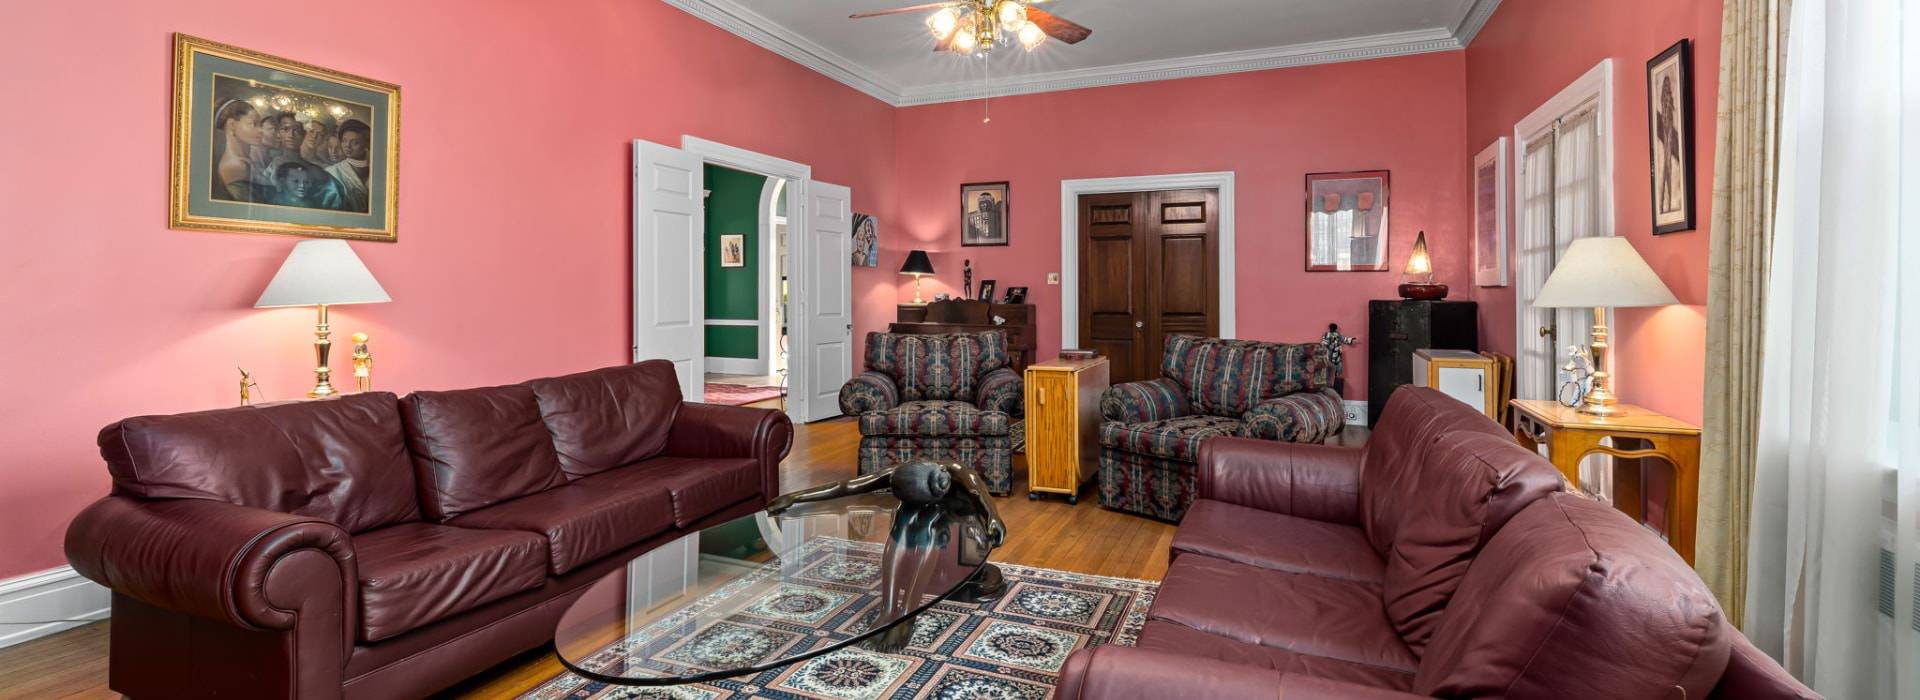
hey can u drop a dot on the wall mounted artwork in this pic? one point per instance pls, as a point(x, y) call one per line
point(984, 211)
point(1347, 220)
point(866, 241)
point(733, 250)
point(1490, 215)
point(1670, 137)
point(268, 145)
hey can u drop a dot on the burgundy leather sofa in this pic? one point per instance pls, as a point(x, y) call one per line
point(374, 546)
point(1439, 560)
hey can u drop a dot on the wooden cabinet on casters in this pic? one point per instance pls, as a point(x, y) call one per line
point(1063, 425)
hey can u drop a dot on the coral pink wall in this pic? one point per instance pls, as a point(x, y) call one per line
point(1531, 50)
point(1270, 128)
point(514, 206)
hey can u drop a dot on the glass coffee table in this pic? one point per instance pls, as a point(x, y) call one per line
point(848, 563)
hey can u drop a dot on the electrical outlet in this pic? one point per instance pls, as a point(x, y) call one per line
point(1355, 412)
point(1053, 278)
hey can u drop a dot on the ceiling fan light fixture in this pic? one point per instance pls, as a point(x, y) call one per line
point(943, 23)
point(964, 41)
point(1012, 14)
point(1031, 37)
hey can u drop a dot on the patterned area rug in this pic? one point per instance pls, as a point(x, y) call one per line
point(740, 394)
point(1010, 649)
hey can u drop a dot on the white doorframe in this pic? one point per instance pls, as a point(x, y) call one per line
point(798, 176)
point(770, 253)
point(1070, 191)
point(1596, 85)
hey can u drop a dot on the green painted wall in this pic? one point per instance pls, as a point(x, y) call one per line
point(733, 206)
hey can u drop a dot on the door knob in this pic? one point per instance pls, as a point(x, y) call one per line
point(1139, 324)
point(1546, 331)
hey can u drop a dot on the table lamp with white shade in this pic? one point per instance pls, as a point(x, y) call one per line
point(323, 273)
point(1602, 272)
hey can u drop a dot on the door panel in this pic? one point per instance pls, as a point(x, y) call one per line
point(828, 310)
point(669, 305)
point(1148, 268)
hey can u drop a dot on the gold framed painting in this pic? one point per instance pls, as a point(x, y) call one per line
point(263, 144)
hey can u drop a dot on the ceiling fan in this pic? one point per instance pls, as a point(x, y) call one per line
point(974, 27)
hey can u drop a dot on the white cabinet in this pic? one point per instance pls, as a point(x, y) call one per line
point(1463, 375)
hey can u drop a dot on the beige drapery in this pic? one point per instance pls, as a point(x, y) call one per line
point(1746, 158)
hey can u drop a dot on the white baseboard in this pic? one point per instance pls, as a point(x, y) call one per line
point(34, 605)
point(1356, 412)
point(737, 365)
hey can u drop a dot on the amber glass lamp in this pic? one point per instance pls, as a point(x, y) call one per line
point(1417, 282)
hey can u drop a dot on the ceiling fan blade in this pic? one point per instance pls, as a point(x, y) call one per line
point(900, 10)
point(1058, 28)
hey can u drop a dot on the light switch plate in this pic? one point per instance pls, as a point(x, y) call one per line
point(1053, 278)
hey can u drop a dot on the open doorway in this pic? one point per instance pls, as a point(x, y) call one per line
point(745, 334)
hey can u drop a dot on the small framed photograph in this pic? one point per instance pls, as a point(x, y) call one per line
point(1347, 221)
point(733, 250)
point(1016, 295)
point(1670, 137)
point(983, 214)
point(866, 241)
point(986, 290)
point(1490, 215)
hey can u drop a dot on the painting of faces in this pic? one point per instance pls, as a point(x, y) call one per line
point(983, 213)
point(266, 144)
point(288, 148)
point(866, 241)
point(1670, 136)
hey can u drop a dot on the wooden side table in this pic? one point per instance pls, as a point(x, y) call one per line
point(1635, 434)
point(1063, 425)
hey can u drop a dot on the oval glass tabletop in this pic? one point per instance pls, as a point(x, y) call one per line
point(763, 591)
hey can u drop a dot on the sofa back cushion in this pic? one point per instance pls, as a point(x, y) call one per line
point(608, 418)
point(1390, 465)
point(342, 460)
point(1574, 599)
point(1228, 377)
point(944, 367)
point(1467, 488)
point(476, 447)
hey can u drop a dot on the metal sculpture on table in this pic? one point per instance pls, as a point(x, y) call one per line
point(931, 512)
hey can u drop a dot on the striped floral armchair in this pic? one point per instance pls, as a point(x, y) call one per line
point(1151, 434)
point(941, 397)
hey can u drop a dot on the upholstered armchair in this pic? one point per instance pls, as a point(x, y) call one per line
point(1208, 387)
point(942, 397)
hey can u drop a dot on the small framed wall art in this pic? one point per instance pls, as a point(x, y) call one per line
point(1490, 215)
point(866, 241)
point(1347, 220)
point(984, 211)
point(733, 250)
point(1670, 137)
point(269, 145)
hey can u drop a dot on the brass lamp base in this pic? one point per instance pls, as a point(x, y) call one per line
point(1600, 400)
point(322, 342)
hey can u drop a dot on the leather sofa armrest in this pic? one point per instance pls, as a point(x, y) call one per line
point(709, 430)
point(1003, 390)
point(1124, 673)
point(868, 391)
point(219, 561)
point(1319, 482)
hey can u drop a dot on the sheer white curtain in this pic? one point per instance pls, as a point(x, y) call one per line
point(1837, 484)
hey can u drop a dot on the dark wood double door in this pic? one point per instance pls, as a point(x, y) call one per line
point(1149, 267)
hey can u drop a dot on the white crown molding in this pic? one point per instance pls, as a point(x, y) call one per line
point(756, 28)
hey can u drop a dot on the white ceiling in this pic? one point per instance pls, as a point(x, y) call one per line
point(892, 57)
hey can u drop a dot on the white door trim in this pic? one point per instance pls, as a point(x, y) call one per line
point(798, 176)
point(1596, 85)
point(1070, 191)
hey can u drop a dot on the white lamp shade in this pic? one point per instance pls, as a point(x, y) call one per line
point(322, 271)
point(1602, 271)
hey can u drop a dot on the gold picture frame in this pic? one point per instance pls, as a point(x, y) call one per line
point(313, 188)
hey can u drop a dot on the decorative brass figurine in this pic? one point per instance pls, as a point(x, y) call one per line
point(247, 385)
point(362, 363)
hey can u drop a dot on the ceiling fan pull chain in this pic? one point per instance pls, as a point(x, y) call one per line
point(986, 102)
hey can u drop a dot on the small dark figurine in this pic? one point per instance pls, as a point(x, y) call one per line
point(966, 279)
point(931, 513)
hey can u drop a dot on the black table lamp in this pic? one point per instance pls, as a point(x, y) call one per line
point(919, 266)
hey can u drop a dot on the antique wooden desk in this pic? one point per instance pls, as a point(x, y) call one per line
point(973, 316)
point(1632, 437)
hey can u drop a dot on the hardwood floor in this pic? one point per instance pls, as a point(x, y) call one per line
point(1044, 533)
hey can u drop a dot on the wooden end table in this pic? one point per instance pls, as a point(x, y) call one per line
point(1636, 433)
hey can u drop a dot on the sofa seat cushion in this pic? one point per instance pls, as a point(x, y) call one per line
point(1300, 613)
point(934, 419)
point(698, 486)
point(414, 574)
point(1173, 438)
point(1160, 635)
point(1280, 542)
point(581, 522)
